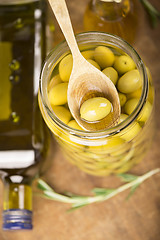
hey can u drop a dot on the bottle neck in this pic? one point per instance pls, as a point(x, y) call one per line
point(17, 196)
point(17, 206)
point(110, 10)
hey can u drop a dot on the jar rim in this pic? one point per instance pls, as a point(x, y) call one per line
point(114, 41)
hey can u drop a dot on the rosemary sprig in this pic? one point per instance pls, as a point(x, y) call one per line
point(100, 194)
point(153, 13)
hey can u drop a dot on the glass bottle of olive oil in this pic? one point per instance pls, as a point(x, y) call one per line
point(24, 138)
point(118, 17)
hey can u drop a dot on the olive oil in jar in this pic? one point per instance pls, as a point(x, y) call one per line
point(24, 138)
point(117, 17)
point(113, 150)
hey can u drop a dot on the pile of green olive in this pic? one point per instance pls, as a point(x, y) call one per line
point(107, 154)
point(119, 68)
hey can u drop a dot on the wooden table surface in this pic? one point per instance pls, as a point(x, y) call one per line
point(135, 219)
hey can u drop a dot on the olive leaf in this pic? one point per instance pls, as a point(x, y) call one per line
point(42, 185)
point(102, 191)
point(127, 177)
point(133, 189)
point(76, 206)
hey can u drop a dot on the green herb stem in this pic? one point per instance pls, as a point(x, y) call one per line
point(79, 201)
point(154, 14)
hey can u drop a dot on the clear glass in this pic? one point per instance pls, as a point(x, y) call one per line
point(120, 18)
point(109, 151)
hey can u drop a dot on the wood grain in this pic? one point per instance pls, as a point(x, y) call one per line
point(135, 219)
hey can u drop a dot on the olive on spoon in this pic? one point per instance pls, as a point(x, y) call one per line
point(86, 81)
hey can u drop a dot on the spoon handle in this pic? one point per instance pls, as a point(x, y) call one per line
point(60, 10)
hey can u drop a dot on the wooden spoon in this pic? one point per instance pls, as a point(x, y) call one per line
point(85, 81)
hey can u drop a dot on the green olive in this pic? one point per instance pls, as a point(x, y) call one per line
point(111, 73)
point(131, 105)
point(122, 117)
point(111, 143)
point(131, 131)
point(95, 109)
point(124, 64)
point(95, 64)
point(104, 56)
point(129, 82)
point(54, 81)
point(145, 113)
point(62, 113)
point(122, 98)
point(135, 94)
point(65, 67)
point(58, 94)
point(89, 54)
point(74, 124)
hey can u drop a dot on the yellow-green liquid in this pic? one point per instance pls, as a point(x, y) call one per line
point(110, 154)
point(120, 19)
point(24, 137)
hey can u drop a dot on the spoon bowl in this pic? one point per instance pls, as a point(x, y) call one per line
point(92, 83)
point(86, 81)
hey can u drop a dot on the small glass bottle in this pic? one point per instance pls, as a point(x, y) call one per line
point(119, 17)
point(24, 138)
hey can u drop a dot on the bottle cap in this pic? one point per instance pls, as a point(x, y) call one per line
point(17, 219)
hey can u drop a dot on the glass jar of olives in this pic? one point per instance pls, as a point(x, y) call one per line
point(112, 150)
